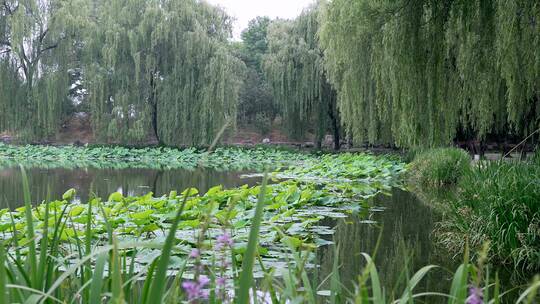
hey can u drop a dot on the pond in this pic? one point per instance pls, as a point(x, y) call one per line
point(403, 223)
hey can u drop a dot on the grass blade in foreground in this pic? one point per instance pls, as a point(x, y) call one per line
point(97, 279)
point(32, 257)
point(160, 279)
point(3, 276)
point(246, 277)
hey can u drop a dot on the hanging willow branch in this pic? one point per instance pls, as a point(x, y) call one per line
point(164, 67)
point(295, 70)
point(35, 58)
point(421, 73)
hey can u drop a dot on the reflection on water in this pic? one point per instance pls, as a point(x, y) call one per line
point(404, 227)
point(102, 182)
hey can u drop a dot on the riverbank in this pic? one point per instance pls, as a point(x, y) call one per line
point(492, 203)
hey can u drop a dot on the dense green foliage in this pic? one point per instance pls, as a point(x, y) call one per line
point(441, 166)
point(396, 72)
point(163, 66)
point(294, 67)
point(490, 202)
point(498, 202)
point(159, 68)
point(421, 73)
point(255, 104)
point(37, 51)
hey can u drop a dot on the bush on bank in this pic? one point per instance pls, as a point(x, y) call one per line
point(440, 166)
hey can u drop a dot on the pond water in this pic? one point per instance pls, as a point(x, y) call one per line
point(402, 226)
point(102, 182)
point(403, 223)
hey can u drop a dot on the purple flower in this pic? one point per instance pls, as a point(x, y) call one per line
point(475, 295)
point(192, 290)
point(221, 281)
point(223, 241)
point(195, 253)
point(195, 289)
point(203, 280)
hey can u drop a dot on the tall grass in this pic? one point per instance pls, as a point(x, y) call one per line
point(499, 202)
point(105, 274)
point(441, 166)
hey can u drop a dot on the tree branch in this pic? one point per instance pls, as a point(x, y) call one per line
point(42, 35)
point(50, 47)
point(47, 48)
point(25, 62)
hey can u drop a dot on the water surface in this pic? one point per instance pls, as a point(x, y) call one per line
point(102, 182)
point(398, 236)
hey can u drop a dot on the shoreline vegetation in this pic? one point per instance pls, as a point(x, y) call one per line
point(108, 248)
point(484, 202)
point(234, 158)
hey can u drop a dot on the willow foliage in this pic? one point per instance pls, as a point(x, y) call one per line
point(36, 39)
point(420, 73)
point(161, 65)
point(294, 67)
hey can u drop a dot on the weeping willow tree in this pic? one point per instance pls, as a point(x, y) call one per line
point(421, 73)
point(162, 67)
point(295, 69)
point(36, 39)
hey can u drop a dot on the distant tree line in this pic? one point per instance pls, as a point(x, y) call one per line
point(403, 73)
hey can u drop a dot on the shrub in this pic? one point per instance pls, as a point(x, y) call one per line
point(263, 123)
point(441, 166)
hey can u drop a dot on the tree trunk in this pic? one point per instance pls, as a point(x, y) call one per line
point(154, 122)
point(337, 143)
point(153, 102)
point(30, 101)
point(318, 144)
point(334, 118)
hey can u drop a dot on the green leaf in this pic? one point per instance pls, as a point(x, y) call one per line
point(76, 210)
point(142, 215)
point(69, 195)
point(116, 197)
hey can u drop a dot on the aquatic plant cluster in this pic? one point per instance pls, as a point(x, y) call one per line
point(289, 215)
point(228, 158)
point(292, 214)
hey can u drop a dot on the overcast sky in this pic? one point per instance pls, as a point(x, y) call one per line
point(245, 10)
